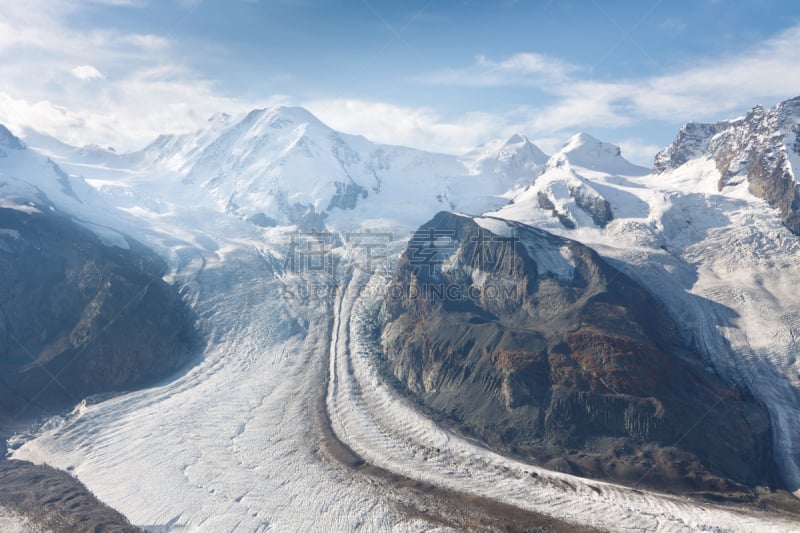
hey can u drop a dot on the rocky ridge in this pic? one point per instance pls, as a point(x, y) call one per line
point(552, 355)
point(761, 149)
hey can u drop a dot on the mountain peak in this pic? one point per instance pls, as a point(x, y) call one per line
point(516, 157)
point(582, 139)
point(516, 139)
point(9, 140)
point(289, 114)
point(219, 118)
point(585, 151)
point(761, 148)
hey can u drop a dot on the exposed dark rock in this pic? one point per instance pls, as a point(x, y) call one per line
point(691, 142)
point(592, 204)
point(55, 501)
point(79, 317)
point(545, 203)
point(546, 352)
point(757, 148)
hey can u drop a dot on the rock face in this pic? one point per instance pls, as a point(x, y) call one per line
point(78, 317)
point(593, 205)
point(762, 148)
point(536, 345)
point(56, 501)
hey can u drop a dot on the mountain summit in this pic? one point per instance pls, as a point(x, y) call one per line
point(282, 165)
point(583, 150)
point(515, 158)
point(761, 149)
point(567, 191)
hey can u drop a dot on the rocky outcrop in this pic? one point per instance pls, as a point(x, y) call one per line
point(55, 501)
point(593, 205)
point(78, 317)
point(759, 148)
point(537, 346)
point(691, 143)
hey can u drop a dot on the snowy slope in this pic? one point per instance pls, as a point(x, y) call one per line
point(286, 167)
point(515, 161)
point(29, 177)
point(11, 522)
point(281, 166)
point(570, 192)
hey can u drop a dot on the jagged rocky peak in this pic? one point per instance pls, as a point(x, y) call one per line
point(691, 142)
point(539, 347)
point(761, 148)
point(9, 140)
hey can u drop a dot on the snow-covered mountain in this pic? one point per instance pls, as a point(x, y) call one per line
point(568, 190)
point(28, 178)
point(760, 151)
point(515, 160)
point(281, 166)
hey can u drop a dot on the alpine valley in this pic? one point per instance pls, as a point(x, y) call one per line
point(267, 324)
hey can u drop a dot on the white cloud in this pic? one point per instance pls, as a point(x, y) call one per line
point(144, 92)
point(418, 127)
point(147, 41)
point(87, 72)
point(519, 69)
point(769, 71)
point(707, 90)
point(638, 151)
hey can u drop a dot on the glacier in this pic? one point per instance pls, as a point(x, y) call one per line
point(234, 442)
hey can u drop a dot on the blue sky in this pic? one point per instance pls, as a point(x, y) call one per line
point(438, 75)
